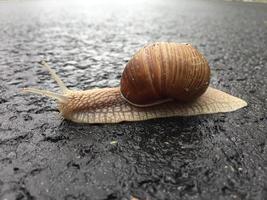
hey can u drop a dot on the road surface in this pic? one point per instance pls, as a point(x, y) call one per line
point(221, 156)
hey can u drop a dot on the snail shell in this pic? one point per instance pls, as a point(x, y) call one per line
point(163, 71)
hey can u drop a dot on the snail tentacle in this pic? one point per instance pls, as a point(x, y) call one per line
point(53, 74)
point(60, 97)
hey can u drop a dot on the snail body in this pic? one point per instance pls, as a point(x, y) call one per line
point(161, 80)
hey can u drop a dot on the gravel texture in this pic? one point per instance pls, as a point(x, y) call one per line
point(222, 156)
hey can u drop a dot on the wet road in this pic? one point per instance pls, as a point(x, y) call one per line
point(222, 156)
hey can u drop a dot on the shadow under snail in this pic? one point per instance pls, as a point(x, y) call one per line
point(161, 80)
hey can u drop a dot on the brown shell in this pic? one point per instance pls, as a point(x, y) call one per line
point(163, 71)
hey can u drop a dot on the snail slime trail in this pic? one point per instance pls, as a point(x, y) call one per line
point(160, 80)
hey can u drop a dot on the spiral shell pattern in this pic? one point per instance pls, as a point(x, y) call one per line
point(162, 71)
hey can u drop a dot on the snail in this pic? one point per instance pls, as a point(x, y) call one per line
point(160, 80)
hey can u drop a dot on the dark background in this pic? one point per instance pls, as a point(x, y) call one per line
point(221, 156)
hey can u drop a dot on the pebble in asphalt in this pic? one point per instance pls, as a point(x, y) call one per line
point(220, 156)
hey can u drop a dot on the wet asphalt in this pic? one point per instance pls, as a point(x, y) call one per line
point(220, 156)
